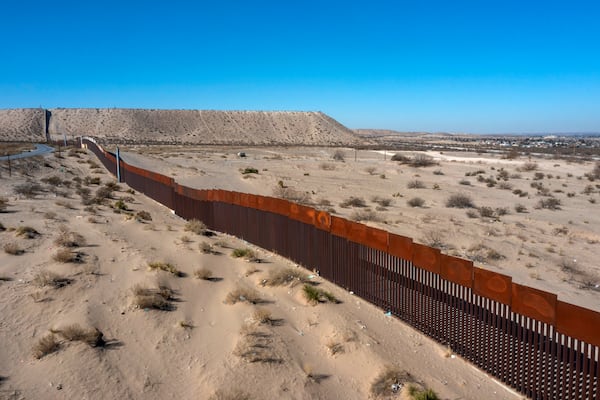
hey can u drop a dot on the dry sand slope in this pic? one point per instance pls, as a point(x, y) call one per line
point(82, 264)
point(178, 126)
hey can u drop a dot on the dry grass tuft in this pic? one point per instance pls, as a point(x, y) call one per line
point(75, 333)
point(353, 202)
point(255, 346)
point(164, 266)
point(230, 394)
point(365, 215)
point(46, 345)
point(263, 316)
point(285, 277)
point(315, 295)
point(243, 295)
point(143, 216)
point(335, 347)
point(246, 253)
point(66, 256)
point(47, 278)
point(195, 226)
point(68, 239)
point(416, 202)
point(152, 298)
point(26, 232)
point(204, 274)
point(389, 382)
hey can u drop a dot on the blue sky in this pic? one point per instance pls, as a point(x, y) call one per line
point(478, 66)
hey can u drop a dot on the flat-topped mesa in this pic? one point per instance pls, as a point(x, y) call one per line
point(119, 125)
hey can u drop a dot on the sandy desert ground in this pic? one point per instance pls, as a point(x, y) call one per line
point(67, 269)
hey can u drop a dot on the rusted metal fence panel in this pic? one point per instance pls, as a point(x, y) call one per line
point(525, 337)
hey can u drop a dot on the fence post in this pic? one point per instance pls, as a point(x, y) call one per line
point(118, 165)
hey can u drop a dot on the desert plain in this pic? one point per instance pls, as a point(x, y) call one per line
point(105, 293)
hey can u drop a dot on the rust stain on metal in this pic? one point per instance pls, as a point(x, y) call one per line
point(457, 270)
point(492, 285)
point(534, 303)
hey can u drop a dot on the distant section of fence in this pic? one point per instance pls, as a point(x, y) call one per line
point(527, 338)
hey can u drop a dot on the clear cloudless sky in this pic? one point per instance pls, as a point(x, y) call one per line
point(477, 66)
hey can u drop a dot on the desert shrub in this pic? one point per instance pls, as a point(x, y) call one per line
point(66, 256)
point(262, 316)
point(415, 184)
point(434, 238)
point(421, 160)
point(353, 202)
point(12, 249)
point(203, 273)
point(400, 158)
point(285, 277)
point(422, 394)
point(389, 381)
point(242, 294)
point(505, 186)
point(365, 215)
point(65, 238)
point(291, 194)
point(230, 394)
point(459, 201)
point(88, 180)
point(151, 301)
point(75, 333)
point(195, 226)
point(245, 253)
point(438, 172)
point(327, 166)
point(370, 170)
point(528, 166)
point(486, 212)
point(416, 202)
point(502, 174)
point(143, 216)
point(589, 189)
point(549, 204)
point(482, 253)
point(46, 345)
point(249, 170)
point(120, 205)
point(465, 182)
point(26, 232)
point(338, 155)
point(596, 171)
point(206, 248)
point(28, 189)
point(538, 176)
point(52, 180)
point(500, 211)
point(383, 202)
point(47, 278)
point(472, 214)
point(475, 173)
point(164, 266)
point(185, 239)
point(315, 295)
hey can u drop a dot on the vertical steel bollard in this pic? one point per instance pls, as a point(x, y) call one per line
point(118, 165)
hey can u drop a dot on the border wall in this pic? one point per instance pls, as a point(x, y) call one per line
point(525, 337)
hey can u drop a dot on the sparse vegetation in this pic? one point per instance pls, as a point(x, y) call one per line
point(26, 232)
point(285, 277)
point(245, 253)
point(46, 345)
point(195, 226)
point(459, 201)
point(389, 381)
point(148, 298)
point(3, 204)
point(415, 184)
point(353, 202)
point(338, 155)
point(47, 278)
point(143, 216)
point(315, 295)
point(164, 266)
point(28, 189)
point(416, 202)
point(382, 201)
point(291, 194)
point(65, 238)
point(550, 203)
point(249, 170)
point(75, 333)
point(263, 316)
point(204, 274)
point(243, 295)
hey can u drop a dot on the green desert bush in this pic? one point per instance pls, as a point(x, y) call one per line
point(314, 295)
point(245, 253)
point(286, 277)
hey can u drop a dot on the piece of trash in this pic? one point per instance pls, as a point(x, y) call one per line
point(396, 387)
point(351, 292)
point(452, 356)
point(388, 314)
point(311, 276)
